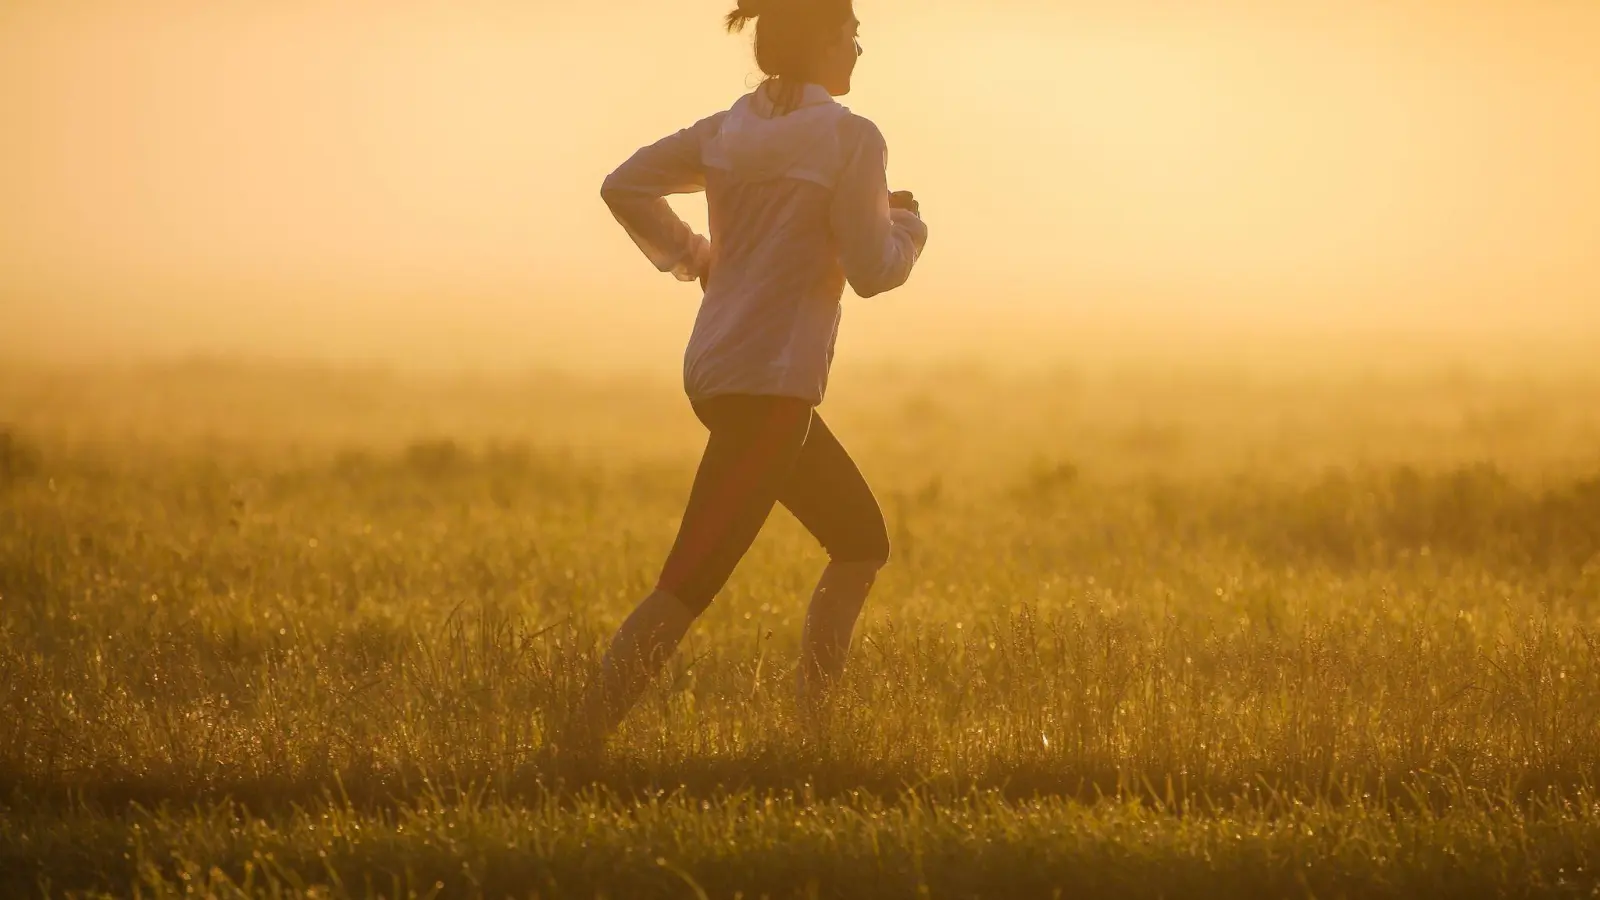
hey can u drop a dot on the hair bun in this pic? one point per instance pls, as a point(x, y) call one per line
point(747, 12)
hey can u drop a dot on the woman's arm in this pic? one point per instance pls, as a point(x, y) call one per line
point(878, 246)
point(636, 193)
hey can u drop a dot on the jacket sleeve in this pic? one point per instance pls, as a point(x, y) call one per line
point(636, 194)
point(878, 246)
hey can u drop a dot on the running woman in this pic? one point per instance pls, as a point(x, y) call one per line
point(799, 204)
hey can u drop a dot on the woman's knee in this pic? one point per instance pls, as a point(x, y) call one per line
point(868, 547)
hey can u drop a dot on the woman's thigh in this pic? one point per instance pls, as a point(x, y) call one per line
point(754, 446)
point(827, 493)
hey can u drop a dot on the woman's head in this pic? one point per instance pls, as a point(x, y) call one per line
point(803, 41)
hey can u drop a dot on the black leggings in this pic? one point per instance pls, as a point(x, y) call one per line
point(764, 451)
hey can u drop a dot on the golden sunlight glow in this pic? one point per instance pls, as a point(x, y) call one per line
point(371, 179)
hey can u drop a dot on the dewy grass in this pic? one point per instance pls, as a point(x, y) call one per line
point(325, 668)
point(795, 845)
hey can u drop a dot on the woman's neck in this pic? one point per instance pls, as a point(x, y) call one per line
point(785, 94)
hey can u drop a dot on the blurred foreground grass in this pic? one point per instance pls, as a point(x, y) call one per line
point(1187, 633)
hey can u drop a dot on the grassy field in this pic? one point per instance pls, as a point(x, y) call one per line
point(283, 633)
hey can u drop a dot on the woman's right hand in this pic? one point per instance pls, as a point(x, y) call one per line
point(905, 200)
point(704, 259)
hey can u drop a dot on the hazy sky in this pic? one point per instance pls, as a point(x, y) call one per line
point(190, 174)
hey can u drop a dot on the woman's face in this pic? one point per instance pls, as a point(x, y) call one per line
point(837, 62)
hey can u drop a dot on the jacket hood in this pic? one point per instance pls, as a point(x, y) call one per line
point(757, 144)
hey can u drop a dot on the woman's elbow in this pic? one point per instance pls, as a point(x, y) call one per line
point(869, 286)
point(880, 276)
point(614, 190)
point(623, 203)
point(874, 274)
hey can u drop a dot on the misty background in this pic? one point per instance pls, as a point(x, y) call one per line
point(417, 183)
